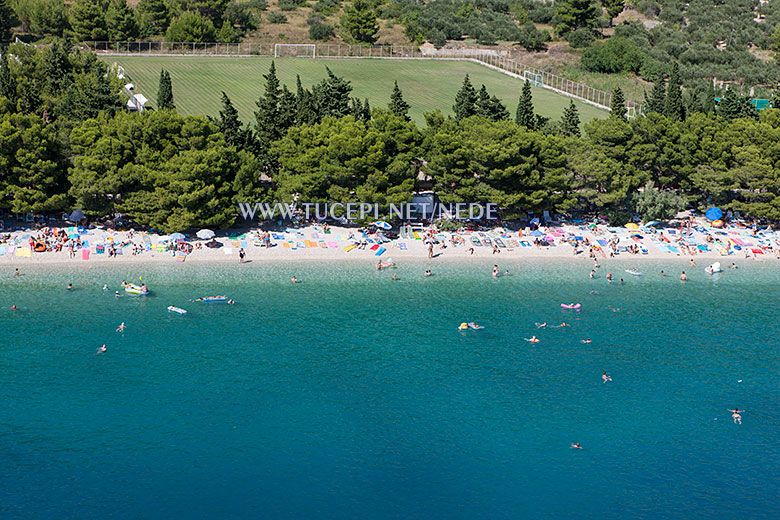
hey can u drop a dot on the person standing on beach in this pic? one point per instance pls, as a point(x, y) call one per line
point(430, 249)
point(241, 255)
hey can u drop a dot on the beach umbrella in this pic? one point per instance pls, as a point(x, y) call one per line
point(205, 234)
point(177, 236)
point(76, 216)
point(164, 238)
point(652, 223)
point(717, 223)
point(713, 214)
point(382, 224)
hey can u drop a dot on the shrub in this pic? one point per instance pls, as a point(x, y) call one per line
point(614, 55)
point(531, 38)
point(276, 17)
point(327, 7)
point(580, 38)
point(287, 5)
point(261, 5)
point(190, 27)
point(649, 8)
point(541, 14)
point(320, 31)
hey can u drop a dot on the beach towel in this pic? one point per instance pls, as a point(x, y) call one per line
point(24, 252)
point(349, 248)
point(757, 251)
point(323, 244)
point(673, 249)
point(380, 251)
point(402, 246)
point(374, 247)
point(84, 254)
point(286, 245)
point(243, 244)
point(513, 243)
point(602, 242)
point(180, 256)
point(500, 243)
point(526, 243)
point(417, 236)
point(300, 245)
point(475, 241)
point(2, 250)
point(333, 245)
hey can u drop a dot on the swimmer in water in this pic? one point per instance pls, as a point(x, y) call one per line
point(532, 339)
point(70, 286)
point(101, 349)
point(563, 324)
point(294, 280)
point(105, 287)
point(116, 294)
point(395, 277)
point(735, 414)
point(610, 307)
point(495, 271)
point(592, 273)
point(733, 265)
point(621, 281)
point(14, 307)
point(541, 325)
point(577, 446)
point(16, 273)
point(427, 273)
point(663, 273)
point(683, 277)
point(605, 377)
point(586, 340)
point(593, 292)
point(231, 302)
point(121, 327)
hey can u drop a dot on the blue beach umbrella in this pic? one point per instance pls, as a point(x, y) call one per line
point(382, 224)
point(177, 236)
point(713, 214)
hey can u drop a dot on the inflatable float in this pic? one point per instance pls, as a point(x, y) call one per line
point(714, 268)
point(40, 247)
point(207, 299)
point(470, 325)
point(634, 272)
point(136, 289)
point(176, 310)
point(570, 305)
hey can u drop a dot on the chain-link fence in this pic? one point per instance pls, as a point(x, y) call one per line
point(492, 57)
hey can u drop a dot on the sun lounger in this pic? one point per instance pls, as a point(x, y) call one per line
point(673, 249)
point(380, 251)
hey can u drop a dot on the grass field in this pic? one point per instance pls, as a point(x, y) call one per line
point(426, 84)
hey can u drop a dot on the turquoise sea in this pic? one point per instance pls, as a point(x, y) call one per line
point(352, 396)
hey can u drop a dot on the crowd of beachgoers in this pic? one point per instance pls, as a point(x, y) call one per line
point(686, 237)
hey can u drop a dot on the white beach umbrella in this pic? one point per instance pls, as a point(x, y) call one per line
point(205, 234)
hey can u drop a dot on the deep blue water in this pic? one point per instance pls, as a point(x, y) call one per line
point(353, 396)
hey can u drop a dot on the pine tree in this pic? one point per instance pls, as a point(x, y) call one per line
point(498, 111)
point(230, 124)
point(7, 21)
point(227, 34)
point(287, 109)
point(525, 108)
point(657, 100)
point(87, 19)
point(121, 22)
point(7, 81)
point(165, 92)
point(397, 105)
point(366, 111)
point(575, 14)
point(465, 100)
point(267, 114)
point(570, 121)
point(618, 106)
point(57, 67)
point(154, 16)
point(613, 8)
point(331, 96)
point(360, 21)
point(674, 108)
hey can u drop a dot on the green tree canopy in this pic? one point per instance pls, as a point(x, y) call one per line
point(359, 21)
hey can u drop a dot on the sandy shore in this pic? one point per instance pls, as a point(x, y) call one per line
point(312, 244)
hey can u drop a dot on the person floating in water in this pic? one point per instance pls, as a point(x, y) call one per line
point(586, 340)
point(735, 414)
point(577, 446)
point(105, 286)
point(231, 302)
point(116, 294)
point(532, 339)
point(121, 327)
point(663, 273)
point(610, 307)
point(395, 277)
point(605, 377)
point(541, 325)
point(563, 324)
point(101, 349)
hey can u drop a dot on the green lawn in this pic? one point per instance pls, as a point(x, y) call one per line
point(426, 84)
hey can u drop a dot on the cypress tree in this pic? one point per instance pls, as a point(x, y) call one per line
point(268, 113)
point(366, 110)
point(397, 105)
point(498, 112)
point(657, 100)
point(618, 106)
point(674, 108)
point(570, 121)
point(165, 92)
point(230, 124)
point(306, 110)
point(287, 109)
point(465, 100)
point(525, 108)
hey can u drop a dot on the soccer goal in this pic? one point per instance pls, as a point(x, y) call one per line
point(533, 79)
point(295, 50)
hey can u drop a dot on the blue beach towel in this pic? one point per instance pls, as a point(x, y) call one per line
point(380, 251)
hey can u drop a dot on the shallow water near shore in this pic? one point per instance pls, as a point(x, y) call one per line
point(350, 395)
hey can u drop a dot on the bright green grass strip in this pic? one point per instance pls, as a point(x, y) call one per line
point(426, 84)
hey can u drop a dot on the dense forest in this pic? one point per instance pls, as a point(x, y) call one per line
point(731, 40)
point(66, 141)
